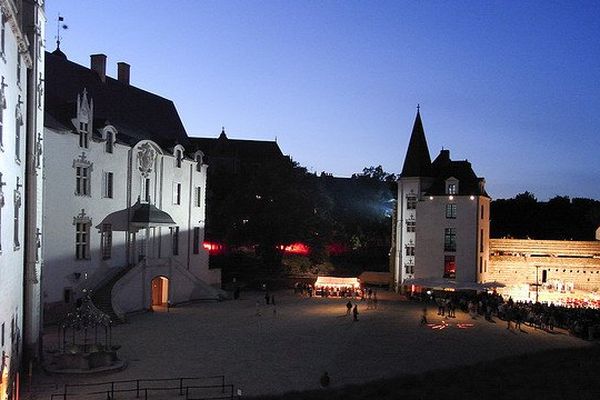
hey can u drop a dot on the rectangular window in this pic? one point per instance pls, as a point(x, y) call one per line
point(82, 181)
point(178, 158)
point(17, 244)
point(106, 241)
point(108, 146)
point(18, 139)
point(83, 135)
point(449, 267)
point(82, 241)
point(450, 239)
point(146, 190)
point(481, 241)
point(451, 211)
point(198, 198)
point(196, 240)
point(451, 188)
point(176, 193)
point(108, 185)
point(480, 265)
point(411, 203)
point(410, 226)
point(175, 240)
point(2, 333)
point(410, 250)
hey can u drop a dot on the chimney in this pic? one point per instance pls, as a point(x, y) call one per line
point(98, 64)
point(123, 72)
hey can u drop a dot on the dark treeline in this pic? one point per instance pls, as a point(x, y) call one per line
point(559, 218)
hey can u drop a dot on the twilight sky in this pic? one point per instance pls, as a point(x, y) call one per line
point(512, 86)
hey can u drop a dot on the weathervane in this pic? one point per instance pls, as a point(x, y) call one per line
point(60, 25)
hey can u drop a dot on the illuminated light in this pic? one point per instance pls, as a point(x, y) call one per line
point(464, 325)
point(430, 197)
point(295, 248)
point(212, 248)
point(472, 197)
point(429, 292)
point(450, 197)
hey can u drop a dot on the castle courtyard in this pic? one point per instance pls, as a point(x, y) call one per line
point(262, 349)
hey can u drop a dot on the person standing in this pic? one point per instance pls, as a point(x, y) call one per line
point(355, 312)
point(348, 307)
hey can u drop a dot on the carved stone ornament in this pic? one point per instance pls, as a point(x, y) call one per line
point(146, 157)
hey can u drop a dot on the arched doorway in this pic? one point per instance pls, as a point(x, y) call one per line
point(160, 291)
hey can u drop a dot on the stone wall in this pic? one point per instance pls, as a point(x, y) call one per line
point(514, 262)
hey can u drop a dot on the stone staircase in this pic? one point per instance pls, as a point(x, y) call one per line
point(102, 295)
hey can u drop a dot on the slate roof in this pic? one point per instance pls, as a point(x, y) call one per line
point(136, 113)
point(418, 164)
point(443, 168)
point(242, 149)
point(417, 161)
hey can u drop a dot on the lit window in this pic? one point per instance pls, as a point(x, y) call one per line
point(451, 188)
point(450, 267)
point(410, 226)
point(106, 241)
point(411, 203)
point(451, 211)
point(450, 239)
point(107, 190)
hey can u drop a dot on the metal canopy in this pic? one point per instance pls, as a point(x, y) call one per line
point(138, 216)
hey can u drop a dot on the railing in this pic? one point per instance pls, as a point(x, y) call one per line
point(141, 386)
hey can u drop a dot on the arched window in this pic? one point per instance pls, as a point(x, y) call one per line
point(199, 158)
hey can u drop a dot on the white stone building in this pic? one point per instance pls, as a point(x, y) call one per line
point(21, 120)
point(124, 196)
point(442, 218)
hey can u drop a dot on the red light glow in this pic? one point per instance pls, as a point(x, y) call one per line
point(213, 248)
point(295, 248)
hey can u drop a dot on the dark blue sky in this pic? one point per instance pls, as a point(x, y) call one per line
point(512, 86)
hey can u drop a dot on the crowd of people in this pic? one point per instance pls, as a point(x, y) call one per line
point(581, 322)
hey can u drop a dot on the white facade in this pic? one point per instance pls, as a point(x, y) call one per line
point(21, 105)
point(442, 218)
point(93, 183)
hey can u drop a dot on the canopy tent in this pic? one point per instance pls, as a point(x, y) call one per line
point(337, 282)
point(138, 216)
point(375, 278)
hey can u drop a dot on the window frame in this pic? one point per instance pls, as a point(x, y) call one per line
point(451, 211)
point(450, 240)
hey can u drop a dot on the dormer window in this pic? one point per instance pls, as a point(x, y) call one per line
point(178, 153)
point(199, 158)
point(108, 145)
point(451, 186)
point(83, 119)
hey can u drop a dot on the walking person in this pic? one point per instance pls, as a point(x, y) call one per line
point(424, 316)
point(355, 312)
point(348, 307)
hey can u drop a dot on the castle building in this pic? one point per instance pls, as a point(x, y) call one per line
point(124, 195)
point(21, 143)
point(442, 218)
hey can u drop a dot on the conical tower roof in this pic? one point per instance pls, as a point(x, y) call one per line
point(417, 161)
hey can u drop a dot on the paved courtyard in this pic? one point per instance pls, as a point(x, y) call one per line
point(289, 349)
